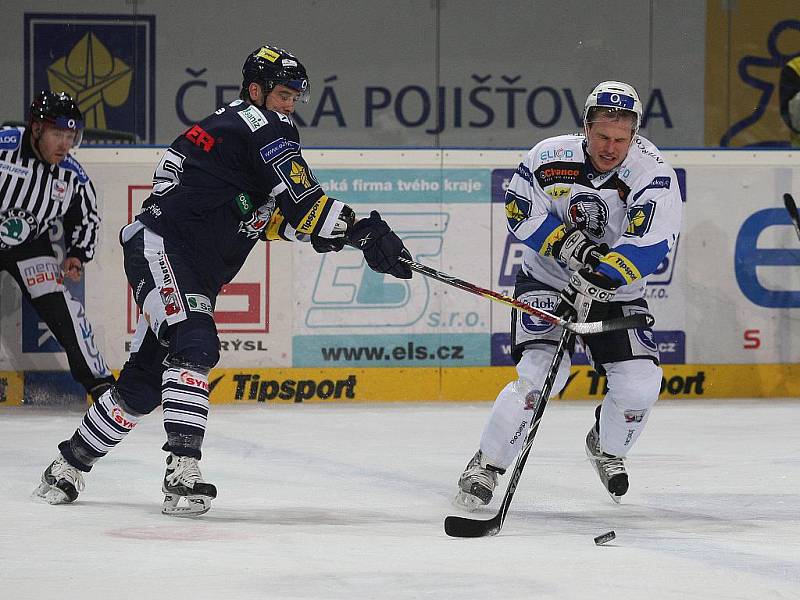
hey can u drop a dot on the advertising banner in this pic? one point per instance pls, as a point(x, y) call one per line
point(726, 299)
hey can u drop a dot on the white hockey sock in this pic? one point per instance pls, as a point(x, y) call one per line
point(512, 412)
point(507, 426)
point(633, 388)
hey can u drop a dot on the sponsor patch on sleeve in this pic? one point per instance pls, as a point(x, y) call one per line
point(524, 172)
point(278, 147)
point(622, 265)
point(555, 235)
point(308, 224)
point(660, 182)
point(9, 139)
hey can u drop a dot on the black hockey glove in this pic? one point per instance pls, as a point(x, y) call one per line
point(380, 245)
point(576, 250)
point(323, 244)
point(584, 289)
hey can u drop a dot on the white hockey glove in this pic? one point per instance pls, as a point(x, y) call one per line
point(575, 250)
point(584, 289)
point(794, 111)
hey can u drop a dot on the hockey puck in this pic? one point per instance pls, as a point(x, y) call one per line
point(606, 537)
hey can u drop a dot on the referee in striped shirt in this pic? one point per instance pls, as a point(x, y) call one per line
point(40, 184)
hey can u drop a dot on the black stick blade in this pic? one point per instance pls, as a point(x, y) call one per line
point(471, 528)
point(634, 321)
point(788, 201)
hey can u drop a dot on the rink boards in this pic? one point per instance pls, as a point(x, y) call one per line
point(424, 384)
point(298, 326)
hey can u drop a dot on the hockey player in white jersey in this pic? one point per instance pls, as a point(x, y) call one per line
point(597, 213)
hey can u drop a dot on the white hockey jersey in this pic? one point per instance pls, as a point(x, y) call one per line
point(635, 209)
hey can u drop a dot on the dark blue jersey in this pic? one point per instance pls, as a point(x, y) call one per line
point(230, 180)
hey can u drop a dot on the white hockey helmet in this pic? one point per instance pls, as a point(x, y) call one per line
point(613, 96)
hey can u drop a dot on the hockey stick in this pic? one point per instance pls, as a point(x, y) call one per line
point(635, 321)
point(788, 201)
point(465, 527)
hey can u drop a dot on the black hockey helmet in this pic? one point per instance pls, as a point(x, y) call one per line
point(271, 66)
point(58, 109)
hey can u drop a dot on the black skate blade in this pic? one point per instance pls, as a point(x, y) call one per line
point(471, 528)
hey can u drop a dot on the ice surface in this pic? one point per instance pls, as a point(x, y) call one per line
point(348, 501)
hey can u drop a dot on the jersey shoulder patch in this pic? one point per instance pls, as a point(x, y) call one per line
point(640, 218)
point(296, 174)
point(10, 139)
point(253, 117)
point(70, 164)
point(278, 147)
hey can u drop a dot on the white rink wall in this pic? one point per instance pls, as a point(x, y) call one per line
point(726, 302)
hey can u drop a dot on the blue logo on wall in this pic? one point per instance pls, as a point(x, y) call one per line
point(750, 256)
point(105, 62)
point(500, 180)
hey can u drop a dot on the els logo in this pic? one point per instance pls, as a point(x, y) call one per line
point(105, 62)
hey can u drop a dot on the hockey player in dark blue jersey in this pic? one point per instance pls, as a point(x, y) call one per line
point(229, 181)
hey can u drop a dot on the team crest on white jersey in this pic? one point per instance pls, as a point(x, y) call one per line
point(590, 212)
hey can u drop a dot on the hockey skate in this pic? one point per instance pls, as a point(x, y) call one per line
point(610, 469)
point(184, 480)
point(61, 482)
point(476, 484)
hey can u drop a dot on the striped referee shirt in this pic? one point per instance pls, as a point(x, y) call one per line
point(35, 194)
